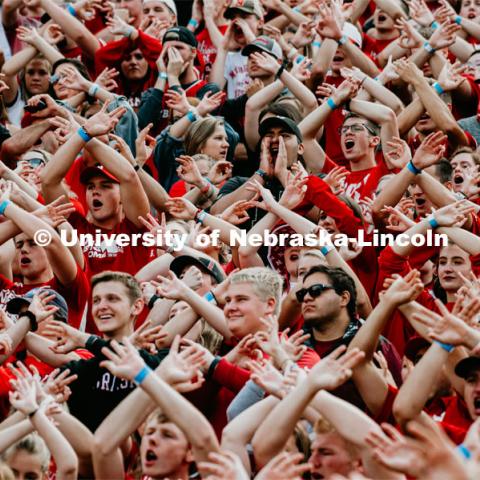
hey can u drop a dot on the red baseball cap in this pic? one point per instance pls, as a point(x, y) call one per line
point(97, 170)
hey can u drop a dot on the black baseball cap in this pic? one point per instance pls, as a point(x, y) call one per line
point(16, 304)
point(180, 34)
point(466, 366)
point(204, 264)
point(279, 121)
point(263, 44)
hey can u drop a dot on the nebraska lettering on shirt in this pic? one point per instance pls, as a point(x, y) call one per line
point(110, 383)
point(353, 189)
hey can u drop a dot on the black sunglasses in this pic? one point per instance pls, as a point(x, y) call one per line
point(314, 291)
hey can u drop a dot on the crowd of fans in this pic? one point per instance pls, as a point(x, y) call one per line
point(219, 360)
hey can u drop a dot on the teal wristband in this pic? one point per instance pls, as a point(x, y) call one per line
point(209, 297)
point(434, 25)
point(261, 173)
point(299, 59)
point(458, 20)
point(317, 44)
point(93, 89)
point(191, 116)
point(296, 9)
point(71, 10)
point(413, 168)
point(325, 250)
point(447, 347)
point(129, 31)
point(163, 75)
point(433, 222)
point(142, 375)
point(438, 88)
point(464, 451)
point(193, 23)
point(4, 205)
point(331, 103)
point(84, 135)
point(428, 47)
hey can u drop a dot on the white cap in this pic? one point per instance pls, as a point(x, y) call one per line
point(170, 4)
point(353, 34)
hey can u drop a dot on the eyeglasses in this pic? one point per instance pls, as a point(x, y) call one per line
point(314, 291)
point(355, 127)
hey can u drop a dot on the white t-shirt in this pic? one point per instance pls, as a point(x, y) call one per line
point(236, 74)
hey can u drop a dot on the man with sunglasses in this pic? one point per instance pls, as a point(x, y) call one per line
point(328, 299)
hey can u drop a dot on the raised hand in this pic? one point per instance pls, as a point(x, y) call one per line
point(347, 89)
point(450, 77)
point(56, 385)
point(181, 208)
point(294, 346)
point(51, 110)
point(244, 351)
point(330, 23)
point(24, 396)
point(335, 369)
point(193, 277)
point(304, 35)
point(445, 35)
point(223, 465)
point(121, 146)
point(220, 172)
point(175, 62)
point(124, 361)
point(397, 220)
point(268, 378)
point(171, 287)
point(295, 190)
point(188, 171)
point(301, 70)
point(53, 34)
point(284, 465)
point(404, 289)
point(453, 215)
point(28, 35)
point(335, 178)
point(409, 37)
point(144, 145)
point(40, 308)
point(177, 100)
point(420, 13)
point(398, 153)
point(266, 160)
point(431, 150)
point(106, 79)
point(66, 337)
point(146, 337)
point(103, 122)
point(118, 26)
point(237, 213)
point(72, 79)
point(408, 71)
point(182, 370)
point(265, 62)
point(209, 103)
point(6, 343)
point(280, 168)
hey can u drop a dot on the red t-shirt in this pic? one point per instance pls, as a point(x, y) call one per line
point(208, 49)
point(75, 294)
point(372, 46)
point(363, 183)
point(114, 257)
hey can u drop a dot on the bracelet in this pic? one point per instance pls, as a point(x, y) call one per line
point(191, 116)
point(331, 103)
point(32, 318)
point(128, 32)
point(163, 75)
point(152, 301)
point(212, 367)
point(261, 173)
point(433, 222)
point(299, 59)
point(210, 298)
point(317, 44)
point(193, 23)
point(296, 9)
point(201, 217)
point(325, 250)
point(84, 135)
point(438, 88)
point(428, 47)
point(458, 20)
point(93, 89)
point(71, 10)
point(447, 347)
point(31, 414)
point(342, 40)
point(434, 25)
point(142, 375)
point(413, 168)
point(4, 205)
point(280, 71)
point(464, 451)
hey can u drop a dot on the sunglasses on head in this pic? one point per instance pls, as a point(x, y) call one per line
point(314, 291)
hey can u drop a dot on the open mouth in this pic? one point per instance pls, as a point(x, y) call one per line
point(150, 456)
point(420, 202)
point(338, 58)
point(349, 144)
point(457, 179)
point(476, 403)
point(97, 204)
point(316, 476)
point(25, 261)
point(382, 18)
point(471, 15)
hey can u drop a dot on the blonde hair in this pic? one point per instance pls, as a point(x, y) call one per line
point(33, 444)
point(266, 283)
point(199, 132)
